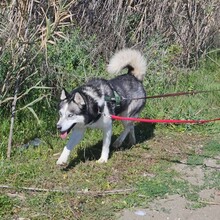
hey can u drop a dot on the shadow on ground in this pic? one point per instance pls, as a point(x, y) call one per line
point(143, 132)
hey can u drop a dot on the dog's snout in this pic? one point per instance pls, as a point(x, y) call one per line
point(59, 127)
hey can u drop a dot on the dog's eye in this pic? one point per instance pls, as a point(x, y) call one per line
point(70, 115)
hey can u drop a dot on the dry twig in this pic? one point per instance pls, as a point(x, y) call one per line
point(84, 192)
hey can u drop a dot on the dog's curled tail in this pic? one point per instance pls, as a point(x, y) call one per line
point(131, 59)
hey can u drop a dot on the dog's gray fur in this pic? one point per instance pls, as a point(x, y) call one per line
point(87, 106)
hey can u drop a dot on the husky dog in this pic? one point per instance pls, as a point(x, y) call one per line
point(91, 105)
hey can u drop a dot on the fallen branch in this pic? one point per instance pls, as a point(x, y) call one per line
point(85, 192)
point(210, 202)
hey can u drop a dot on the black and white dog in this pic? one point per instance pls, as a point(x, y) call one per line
point(92, 104)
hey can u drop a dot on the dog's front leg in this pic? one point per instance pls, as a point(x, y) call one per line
point(75, 138)
point(107, 134)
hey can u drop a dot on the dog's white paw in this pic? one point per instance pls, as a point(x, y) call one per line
point(61, 162)
point(102, 160)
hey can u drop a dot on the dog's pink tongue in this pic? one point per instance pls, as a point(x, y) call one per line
point(63, 135)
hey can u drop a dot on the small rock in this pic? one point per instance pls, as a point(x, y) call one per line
point(140, 213)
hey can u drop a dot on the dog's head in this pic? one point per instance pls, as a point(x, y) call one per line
point(71, 111)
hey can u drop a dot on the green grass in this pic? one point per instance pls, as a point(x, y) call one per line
point(6, 205)
point(170, 80)
point(195, 160)
point(212, 148)
point(142, 169)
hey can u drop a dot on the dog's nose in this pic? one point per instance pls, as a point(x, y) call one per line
point(59, 127)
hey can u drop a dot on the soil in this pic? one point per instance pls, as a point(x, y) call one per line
point(175, 207)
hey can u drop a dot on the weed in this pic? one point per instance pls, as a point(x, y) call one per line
point(212, 180)
point(212, 148)
point(6, 205)
point(71, 62)
point(195, 160)
point(195, 205)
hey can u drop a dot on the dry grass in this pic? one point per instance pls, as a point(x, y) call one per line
point(191, 25)
point(23, 25)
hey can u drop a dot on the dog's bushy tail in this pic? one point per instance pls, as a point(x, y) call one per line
point(131, 59)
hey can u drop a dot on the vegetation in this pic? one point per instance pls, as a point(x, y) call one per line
point(87, 190)
point(46, 45)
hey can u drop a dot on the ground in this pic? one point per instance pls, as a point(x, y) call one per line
point(176, 207)
point(197, 171)
point(168, 174)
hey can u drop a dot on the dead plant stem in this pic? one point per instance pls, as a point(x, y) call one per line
point(13, 109)
point(85, 192)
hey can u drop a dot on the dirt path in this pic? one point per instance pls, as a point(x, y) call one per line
point(175, 207)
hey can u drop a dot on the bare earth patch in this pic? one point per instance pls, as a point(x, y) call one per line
point(177, 207)
point(174, 208)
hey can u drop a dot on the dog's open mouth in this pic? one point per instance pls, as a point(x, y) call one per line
point(64, 134)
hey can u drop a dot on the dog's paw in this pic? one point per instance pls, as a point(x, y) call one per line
point(61, 162)
point(131, 143)
point(102, 160)
point(116, 144)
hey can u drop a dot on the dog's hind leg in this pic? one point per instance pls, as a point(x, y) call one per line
point(132, 139)
point(75, 138)
point(128, 129)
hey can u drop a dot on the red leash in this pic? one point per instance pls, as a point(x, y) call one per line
point(172, 94)
point(165, 121)
point(168, 121)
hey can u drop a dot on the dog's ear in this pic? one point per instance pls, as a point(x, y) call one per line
point(64, 94)
point(79, 99)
